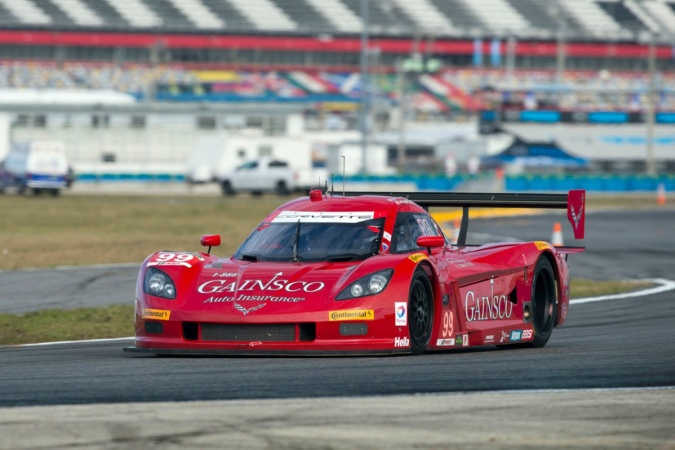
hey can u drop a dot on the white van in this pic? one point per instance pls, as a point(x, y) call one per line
point(38, 166)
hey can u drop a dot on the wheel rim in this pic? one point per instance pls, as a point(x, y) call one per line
point(543, 304)
point(420, 312)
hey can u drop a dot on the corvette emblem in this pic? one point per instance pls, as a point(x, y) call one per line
point(238, 307)
point(577, 217)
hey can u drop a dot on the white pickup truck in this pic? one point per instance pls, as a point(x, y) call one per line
point(260, 176)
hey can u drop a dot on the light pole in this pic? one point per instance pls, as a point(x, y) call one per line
point(365, 83)
point(650, 110)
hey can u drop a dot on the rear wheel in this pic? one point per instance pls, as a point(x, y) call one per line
point(420, 311)
point(282, 189)
point(543, 302)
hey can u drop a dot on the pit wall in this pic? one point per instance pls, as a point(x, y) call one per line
point(592, 183)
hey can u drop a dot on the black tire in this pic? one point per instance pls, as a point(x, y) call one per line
point(55, 192)
point(282, 189)
point(543, 302)
point(227, 188)
point(420, 311)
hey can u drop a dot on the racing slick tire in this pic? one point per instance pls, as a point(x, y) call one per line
point(227, 188)
point(420, 311)
point(543, 302)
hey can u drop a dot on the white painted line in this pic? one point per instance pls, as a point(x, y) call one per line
point(85, 341)
point(93, 266)
point(666, 285)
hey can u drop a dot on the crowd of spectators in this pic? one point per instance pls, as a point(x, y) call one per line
point(526, 89)
point(131, 79)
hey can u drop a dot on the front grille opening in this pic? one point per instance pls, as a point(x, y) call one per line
point(190, 331)
point(248, 333)
point(307, 331)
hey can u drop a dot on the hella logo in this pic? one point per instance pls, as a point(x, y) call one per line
point(401, 342)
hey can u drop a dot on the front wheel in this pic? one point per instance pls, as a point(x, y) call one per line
point(282, 189)
point(420, 311)
point(543, 302)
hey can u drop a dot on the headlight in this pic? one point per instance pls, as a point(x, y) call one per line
point(158, 283)
point(369, 285)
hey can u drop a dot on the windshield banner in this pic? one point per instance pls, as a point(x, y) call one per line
point(323, 217)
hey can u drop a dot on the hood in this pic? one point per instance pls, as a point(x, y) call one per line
point(239, 287)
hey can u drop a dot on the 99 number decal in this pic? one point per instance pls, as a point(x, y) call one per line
point(171, 259)
point(448, 327)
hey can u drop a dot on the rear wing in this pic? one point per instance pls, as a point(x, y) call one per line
point(574, 201)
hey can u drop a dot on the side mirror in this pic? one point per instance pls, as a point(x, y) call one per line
point(430, 242)
point(210, 240)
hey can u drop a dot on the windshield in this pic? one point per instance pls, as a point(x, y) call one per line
point(312, 242)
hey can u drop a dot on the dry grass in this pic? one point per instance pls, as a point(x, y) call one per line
point(79, 230)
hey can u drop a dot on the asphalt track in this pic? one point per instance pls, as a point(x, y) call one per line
point(347, 402)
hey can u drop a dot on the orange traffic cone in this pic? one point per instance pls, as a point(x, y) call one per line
point(455, 231)
point(557, 237)
point(661, 194)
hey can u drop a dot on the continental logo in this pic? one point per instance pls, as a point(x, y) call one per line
point(541, 245)
point(366, 314)
point(416, 257)
point(158, 314)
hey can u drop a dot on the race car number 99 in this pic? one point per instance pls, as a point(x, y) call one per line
point(448, 327)
point(171, 259)
point(181, 257)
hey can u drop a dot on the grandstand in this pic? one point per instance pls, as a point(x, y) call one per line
point(429, 60)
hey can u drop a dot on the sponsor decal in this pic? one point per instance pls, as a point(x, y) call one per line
point(172, 259)
point(527, 334)
point(224, 275)
point(355, 314)
point(458, 340)
point(318, 217)
point(505, 337)
point(255, 298)
point(416, 257)
point(465, 340)
point(487, 307)
point(159, 314)
point(275, 284)
point(245, 311)
point(490, 338)
point(401, 342)
point(564, 310)
point(386, 236)
point(458, 262)
point(445, 342)
point(541, 245)
point(401, 312)
point(516, 335)
point(385, 247)
point(254, 343)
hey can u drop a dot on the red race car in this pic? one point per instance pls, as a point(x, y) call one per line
point(359, 273)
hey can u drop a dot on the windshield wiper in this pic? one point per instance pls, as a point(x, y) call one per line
point(249, 257)
point(294, 258)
